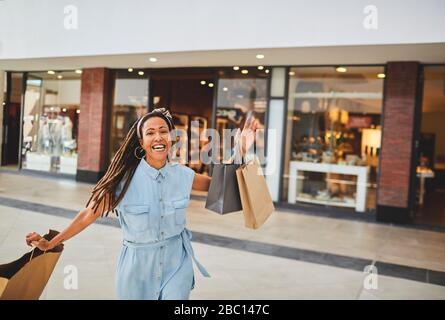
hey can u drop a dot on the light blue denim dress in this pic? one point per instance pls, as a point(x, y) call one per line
point(156, 261)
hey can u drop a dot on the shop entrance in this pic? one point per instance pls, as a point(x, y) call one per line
point(189, 95)
point(430, 171)
point(11, 121)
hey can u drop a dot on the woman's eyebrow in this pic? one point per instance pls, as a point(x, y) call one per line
point(160, 127)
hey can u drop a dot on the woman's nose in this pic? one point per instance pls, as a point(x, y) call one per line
point(157, 136)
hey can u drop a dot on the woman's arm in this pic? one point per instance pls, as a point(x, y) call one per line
point(82, 220)
point(201, 182)
point(246, 138)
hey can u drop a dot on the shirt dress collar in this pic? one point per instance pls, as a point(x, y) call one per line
point(152, 172)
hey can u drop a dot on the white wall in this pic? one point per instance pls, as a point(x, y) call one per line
point(38, 28)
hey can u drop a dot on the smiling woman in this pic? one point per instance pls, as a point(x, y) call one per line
point(150, 196)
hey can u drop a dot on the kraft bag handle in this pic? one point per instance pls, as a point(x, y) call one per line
point(32, 253)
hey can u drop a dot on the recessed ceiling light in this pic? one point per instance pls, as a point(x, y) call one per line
point(64, 109)
point(244, 71)
point(78, 71)
point(260, 56)
point(141, 73)
point(52, 108)
point(203, 82)
point(78, 111)
point(260, 67)
point(267, 71)
point(59, 76)
point(381, 76)
point(341, 69)
point(235, 68)
point(130, 69)
point(51, 72)
point(153, 59)
point(210, 85)
point(291, 73)
point(225, 89)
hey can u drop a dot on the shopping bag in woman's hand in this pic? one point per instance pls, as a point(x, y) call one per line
point(223, 196)
point(255, 196)
point(26, 277)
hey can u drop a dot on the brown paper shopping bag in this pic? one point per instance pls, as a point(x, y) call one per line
point(254, 193)
point(26, 277)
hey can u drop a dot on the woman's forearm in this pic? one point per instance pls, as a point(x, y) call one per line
point(82, 220)
point(201, 182)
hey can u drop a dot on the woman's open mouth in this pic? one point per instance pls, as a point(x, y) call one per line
point(158, 147)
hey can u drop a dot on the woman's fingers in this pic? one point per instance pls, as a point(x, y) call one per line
point(32, 237)
point(41, 244)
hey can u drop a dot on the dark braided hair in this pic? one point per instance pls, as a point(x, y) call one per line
point(123, 164)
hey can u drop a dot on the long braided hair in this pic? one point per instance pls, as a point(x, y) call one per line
point(123, 164)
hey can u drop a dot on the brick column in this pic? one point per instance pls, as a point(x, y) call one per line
point(395, 194)
point(93, 124)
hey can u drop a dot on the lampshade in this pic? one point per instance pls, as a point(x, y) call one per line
point(371, 140)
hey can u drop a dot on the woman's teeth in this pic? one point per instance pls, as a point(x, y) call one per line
point(158, 147)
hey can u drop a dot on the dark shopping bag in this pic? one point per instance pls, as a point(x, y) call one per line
point(223, 196)
point(26, 277)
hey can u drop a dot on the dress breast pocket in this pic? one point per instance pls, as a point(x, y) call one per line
point(180, 210)
point(137, 217)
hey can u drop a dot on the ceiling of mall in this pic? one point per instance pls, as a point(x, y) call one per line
point(378, 54)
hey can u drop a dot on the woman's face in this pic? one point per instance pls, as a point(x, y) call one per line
point(156, 140)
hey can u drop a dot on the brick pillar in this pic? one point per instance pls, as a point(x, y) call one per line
point(395, 193)
point(93, 124)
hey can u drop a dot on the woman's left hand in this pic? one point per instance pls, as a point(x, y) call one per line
point(247, 136)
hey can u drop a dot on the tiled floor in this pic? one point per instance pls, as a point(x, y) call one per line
point(270, 263)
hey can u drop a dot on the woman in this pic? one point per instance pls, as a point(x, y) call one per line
point(151, 196)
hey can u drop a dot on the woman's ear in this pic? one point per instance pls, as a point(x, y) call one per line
point(141, 142)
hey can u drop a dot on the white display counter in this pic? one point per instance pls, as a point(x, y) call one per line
point(68, 165)
point(36, 161)
point(296, 183)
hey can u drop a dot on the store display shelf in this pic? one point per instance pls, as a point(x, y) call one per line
point(327, 202)
point(360, 182)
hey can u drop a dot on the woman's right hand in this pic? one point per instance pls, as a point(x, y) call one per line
point(33, 236)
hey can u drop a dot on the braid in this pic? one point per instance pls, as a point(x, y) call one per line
point(124, 162)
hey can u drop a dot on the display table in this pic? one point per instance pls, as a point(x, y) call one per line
point(36, 161)
point(296, 183)
point(68, 165)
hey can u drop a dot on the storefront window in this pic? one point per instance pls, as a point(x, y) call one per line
point(50, 122)
point(130, 102)
point(241, 92)
point(430, 171)
point(333, 136)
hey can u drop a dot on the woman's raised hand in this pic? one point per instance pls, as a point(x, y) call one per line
point(246, 137)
